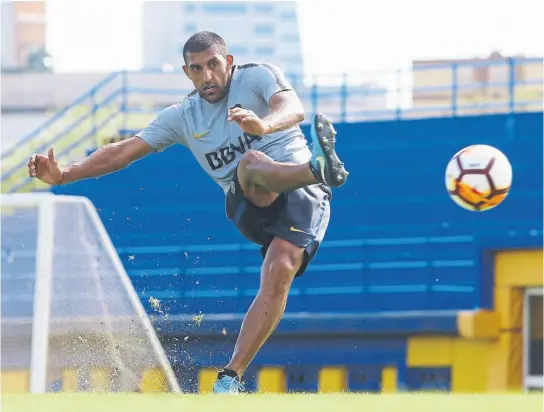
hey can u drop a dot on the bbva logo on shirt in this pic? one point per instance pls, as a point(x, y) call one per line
point(226, 155)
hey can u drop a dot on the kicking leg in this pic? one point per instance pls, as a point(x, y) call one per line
point(262, 178)
point(258, 172)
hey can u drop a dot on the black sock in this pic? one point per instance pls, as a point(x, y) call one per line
point(226, 372)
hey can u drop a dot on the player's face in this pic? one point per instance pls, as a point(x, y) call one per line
point(210, 73)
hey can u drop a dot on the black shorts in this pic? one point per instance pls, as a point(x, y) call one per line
point(300, 217)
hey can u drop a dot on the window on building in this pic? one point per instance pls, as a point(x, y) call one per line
point(291, 59)
point(238, 51)
point(190, 28)
point(289, 15)
point(264, 29)
point(264, 8)
point(264, 51)
point(290, 38)
point(224, 7)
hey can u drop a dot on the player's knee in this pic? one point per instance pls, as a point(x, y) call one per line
point(279, 278)
point(280, 268)
point(247, 176)
point(251, 159)
point(247, 163)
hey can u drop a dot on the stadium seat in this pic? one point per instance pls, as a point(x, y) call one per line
point(395, 242)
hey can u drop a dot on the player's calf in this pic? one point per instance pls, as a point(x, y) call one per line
point(282, 261)
point(281, 264)
point(262, 178)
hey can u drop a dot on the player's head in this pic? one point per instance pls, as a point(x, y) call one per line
point(208, 65)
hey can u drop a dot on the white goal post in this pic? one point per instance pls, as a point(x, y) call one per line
point(67, 301)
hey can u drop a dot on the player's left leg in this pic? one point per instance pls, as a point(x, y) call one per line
point(257, 170)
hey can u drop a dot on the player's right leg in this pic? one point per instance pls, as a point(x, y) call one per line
point(290, 231)
point(262, 178)
point(282, 262)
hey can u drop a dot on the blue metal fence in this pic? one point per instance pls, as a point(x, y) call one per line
point(127, 100)
point(427, 90)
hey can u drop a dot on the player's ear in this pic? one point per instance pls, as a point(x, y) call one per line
point(230, 60)
point(186, 70)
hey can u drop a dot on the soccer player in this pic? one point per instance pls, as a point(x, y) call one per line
point(241, 123)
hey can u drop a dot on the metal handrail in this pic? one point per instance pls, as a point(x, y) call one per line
point(453, 96)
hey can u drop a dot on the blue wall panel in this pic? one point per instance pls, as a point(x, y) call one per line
point(395, 242)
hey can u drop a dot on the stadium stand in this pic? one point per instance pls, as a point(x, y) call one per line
point(408, 292)
point(399, 258)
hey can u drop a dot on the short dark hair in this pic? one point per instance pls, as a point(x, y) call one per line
point(203, 40)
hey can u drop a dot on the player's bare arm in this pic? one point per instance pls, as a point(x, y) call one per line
point(287, 111)
point(108, 159)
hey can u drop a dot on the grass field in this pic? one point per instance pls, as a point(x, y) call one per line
point(272, 403)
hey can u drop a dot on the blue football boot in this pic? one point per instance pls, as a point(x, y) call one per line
point(228, 385)
point(325, 164)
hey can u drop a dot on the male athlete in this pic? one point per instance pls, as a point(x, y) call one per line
point(242, 125)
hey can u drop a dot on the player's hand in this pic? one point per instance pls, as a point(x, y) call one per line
point(45, 168)
point(248, 121)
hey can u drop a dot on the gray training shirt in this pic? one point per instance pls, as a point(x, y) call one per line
point(219, 145)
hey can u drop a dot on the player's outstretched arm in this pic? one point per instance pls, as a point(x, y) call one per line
point(108, 159)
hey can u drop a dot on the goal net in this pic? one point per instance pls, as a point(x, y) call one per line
point(71, 319)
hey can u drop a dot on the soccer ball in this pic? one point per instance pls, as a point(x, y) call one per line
point(478, 177)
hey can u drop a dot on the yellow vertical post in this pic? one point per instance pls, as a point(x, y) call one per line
point(333, 379)
point(271, 380)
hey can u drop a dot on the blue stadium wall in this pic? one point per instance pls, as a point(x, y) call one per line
point(400, 261)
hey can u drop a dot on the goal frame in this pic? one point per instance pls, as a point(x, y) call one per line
point(41, 317)
point(529, 381)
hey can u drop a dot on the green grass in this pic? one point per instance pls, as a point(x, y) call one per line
point(272, 403)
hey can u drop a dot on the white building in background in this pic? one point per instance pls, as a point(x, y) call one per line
point(7, 36)
point(23, 35)
point(253, 30)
